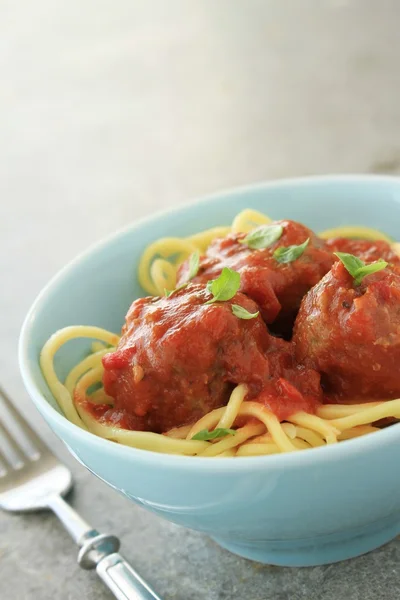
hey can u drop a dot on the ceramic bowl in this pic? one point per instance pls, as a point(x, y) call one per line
point(298, 509)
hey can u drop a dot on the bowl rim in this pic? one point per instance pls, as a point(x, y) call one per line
point(314, 456)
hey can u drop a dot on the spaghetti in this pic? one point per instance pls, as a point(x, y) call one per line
point(256, 429)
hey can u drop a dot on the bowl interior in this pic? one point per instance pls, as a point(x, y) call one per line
point(99, 286)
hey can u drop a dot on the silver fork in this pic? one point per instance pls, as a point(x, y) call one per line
point(32, 478)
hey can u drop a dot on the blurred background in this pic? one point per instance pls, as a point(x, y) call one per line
point(113, 110)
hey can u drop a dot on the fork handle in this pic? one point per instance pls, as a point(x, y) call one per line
point(122, 580)
point(100, 551)
point(77, 528)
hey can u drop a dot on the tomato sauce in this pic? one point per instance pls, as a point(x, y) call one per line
point(180, 357)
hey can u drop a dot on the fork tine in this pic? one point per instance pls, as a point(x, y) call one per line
point(4, 465)
point(31, 443)
point(11, 452)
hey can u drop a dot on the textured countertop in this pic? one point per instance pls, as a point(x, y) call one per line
point(112, 110)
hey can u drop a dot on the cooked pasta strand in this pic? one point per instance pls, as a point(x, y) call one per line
point(252, 409)
point(355, 232)
point(233, 407)
point(390, 408)
point(248, 219)
point(179, 433)
point(349, 434)
point(203, 239)
point(164, 248)
point(310, 436)
point(325, 428)
point(257, 449)
point(81, 368)
point(231, 441)
point(336, 411)
point(163, 275)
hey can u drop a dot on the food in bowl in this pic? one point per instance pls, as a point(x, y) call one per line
point(259, 338)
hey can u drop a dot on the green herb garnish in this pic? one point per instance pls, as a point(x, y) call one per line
point(194, 263)
point(224, 287)
point(357, 268)
point(263, 237)
point(242, 313)
point(287, 254)
point(205, 435)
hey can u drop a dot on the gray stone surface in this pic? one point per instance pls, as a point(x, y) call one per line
point(111, 110)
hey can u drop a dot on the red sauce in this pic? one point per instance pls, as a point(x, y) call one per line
point(284, 399)
point(111, 416)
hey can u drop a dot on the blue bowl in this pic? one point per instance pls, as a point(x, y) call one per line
point(300, 509)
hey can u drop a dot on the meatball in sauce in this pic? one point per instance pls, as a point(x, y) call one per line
point(179, 358)
point(277, 288)
point(351, 333)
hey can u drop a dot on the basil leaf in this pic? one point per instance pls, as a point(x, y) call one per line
point(357, 268)
point(242, 313)
point(351, 262)
point(168, 293)
point(206, 435)
point(194, 263)
point(287, 254)
point(263, 237)
point(225, 286)
point(368, 270)
point(209, 286)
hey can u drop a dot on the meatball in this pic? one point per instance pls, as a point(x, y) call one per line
point(368, 251)
point(351, 334)
point(276, 287)
point(179, 358)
